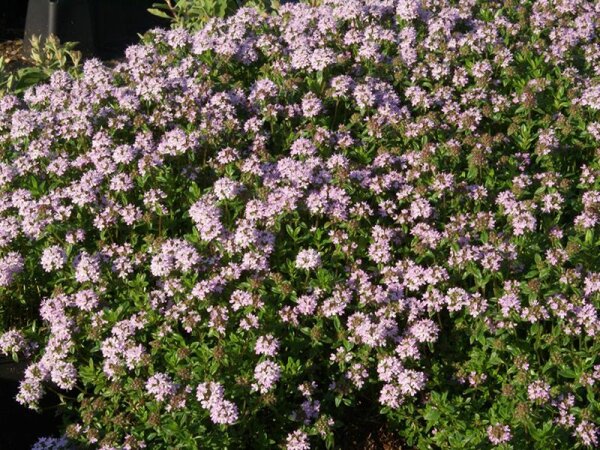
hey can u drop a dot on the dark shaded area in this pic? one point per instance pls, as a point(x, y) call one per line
point(117, 24)
point(12, 19)
point(371, 437)
point(21, 427)
point(104, 28)
point(366, 429)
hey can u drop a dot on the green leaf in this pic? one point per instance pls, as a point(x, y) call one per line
point(157, 12)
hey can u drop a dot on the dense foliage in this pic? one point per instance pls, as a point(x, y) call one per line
point(286, 227)
point(193, 14)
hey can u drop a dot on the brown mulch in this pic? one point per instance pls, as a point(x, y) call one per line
point(11, 51)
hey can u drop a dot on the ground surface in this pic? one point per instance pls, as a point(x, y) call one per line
point(11, 51)
point(21, 427)
point(11, 38)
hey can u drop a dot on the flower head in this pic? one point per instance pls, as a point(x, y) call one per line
point(308, 259)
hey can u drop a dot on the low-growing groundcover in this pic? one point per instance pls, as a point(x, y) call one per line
point(281, 228)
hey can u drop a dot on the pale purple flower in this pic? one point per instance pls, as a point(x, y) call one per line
point(10, 266)
point(306, 305)
point(9, 230)
point(53, 258)
point(64, 374)
point(7, 173)
point(408, 9)
point(308, 259)
point(31, 388)
point(248, 322)
point(321, 58)
point(591, 97)
point(311, 105)
point(342, 85)
point(262, 90)
point(538, 391)
point(481, 69)
point(310, 410)
point(176, 142)
point(476, 379)
point(410, 381)
point(227, 189)
point(87, 268)
point(587, 433)
point(124, 154)
point(389, 368)
point(364, 96)
point(218, 317)
point(302, 147)
point(509, 302)
point(337, 303)
point(240, 299)
point(498, 433)
point(266, 345)
point(12, 341)
point(207, 390)
point(390, 396)
point(227, 155)
point(357, 374)
point(424, 330)
point(120, 349)
point(297, 440)
point(174, 254)
point(211, 396)
point(52, 443)
point(86, 299)
point(329, 200)
point(160, 386)
point(224, 412)
point(380, 249)
point(552, 202)
point(207, 216)
point(266, 374)
point(121, 182)
point(591, 283)
point(130, 214)
point(75, 236)
point(153, 199)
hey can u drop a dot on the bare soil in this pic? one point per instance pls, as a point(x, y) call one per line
point(11, 51)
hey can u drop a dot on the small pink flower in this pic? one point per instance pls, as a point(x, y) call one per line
point(308, 259)
point(297, 440)
point(266, 375)
point(498, 434)
point(266, 345)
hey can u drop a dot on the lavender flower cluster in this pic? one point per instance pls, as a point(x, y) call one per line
point(394, 205)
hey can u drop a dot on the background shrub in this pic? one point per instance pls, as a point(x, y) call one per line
point(193, 14)
point(46, 57)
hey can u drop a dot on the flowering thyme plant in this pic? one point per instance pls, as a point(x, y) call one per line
point(284, 228)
